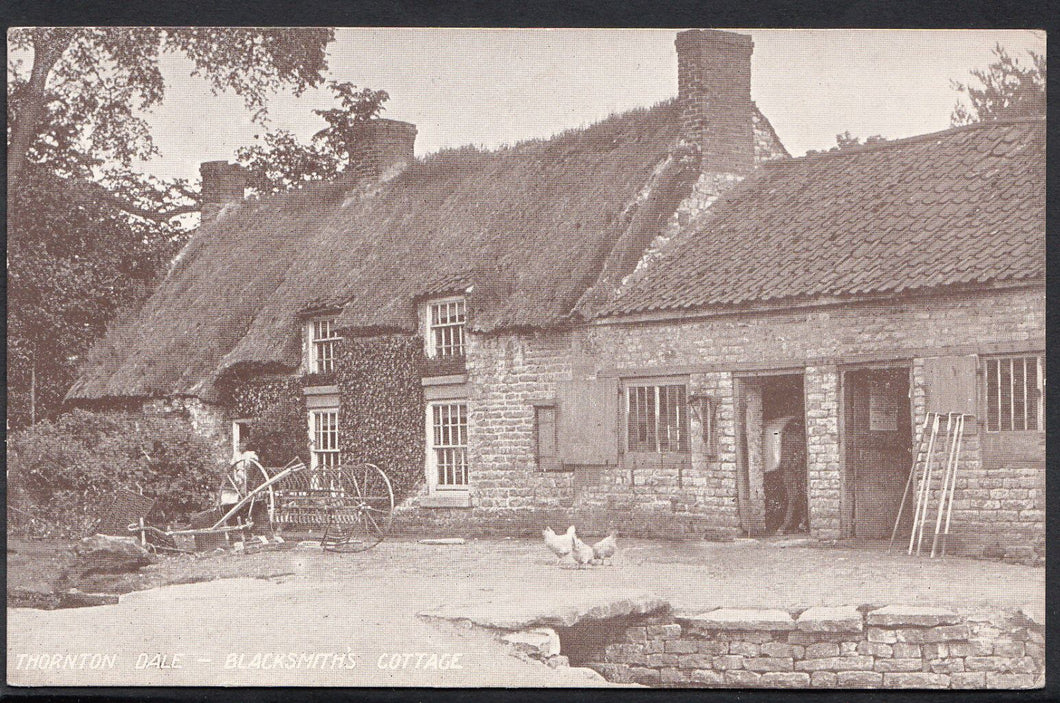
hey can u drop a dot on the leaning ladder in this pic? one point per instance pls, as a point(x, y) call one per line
point(922, 473)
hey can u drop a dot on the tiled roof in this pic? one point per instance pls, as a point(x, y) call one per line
point(964, 206)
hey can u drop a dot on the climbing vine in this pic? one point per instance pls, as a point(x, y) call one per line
point(382, 406)
point(276, 409)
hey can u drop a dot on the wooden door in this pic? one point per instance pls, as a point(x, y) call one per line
point(878, 448)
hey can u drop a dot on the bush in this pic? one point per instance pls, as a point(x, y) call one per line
point(66, 471)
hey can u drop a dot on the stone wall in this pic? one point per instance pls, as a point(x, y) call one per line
point(830, 647)
point(1000, 508)
point(209, 421)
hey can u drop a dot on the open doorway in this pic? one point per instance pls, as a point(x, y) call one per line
point(772, 456)
point(878, 448)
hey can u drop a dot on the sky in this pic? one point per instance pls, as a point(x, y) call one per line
point(491, 87)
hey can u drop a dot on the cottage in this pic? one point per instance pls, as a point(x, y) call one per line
point(607, 326)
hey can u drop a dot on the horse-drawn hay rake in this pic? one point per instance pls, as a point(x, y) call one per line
point(352, 505)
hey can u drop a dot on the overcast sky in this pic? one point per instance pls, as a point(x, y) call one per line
point(492, 87)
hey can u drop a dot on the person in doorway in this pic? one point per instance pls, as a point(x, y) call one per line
point(792, 471)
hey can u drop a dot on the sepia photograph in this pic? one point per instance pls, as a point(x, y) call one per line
point(702, 358)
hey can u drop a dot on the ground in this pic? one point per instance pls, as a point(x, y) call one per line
point(365, 606)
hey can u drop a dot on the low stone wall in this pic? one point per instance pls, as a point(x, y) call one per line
point(829, 647)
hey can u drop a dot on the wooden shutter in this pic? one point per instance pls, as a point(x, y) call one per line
point(950, 383)
point(587, 421)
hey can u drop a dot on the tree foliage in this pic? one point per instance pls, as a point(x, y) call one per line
point(1005, 90)
point(846, 140)
point(281, 162)
point(86, 235)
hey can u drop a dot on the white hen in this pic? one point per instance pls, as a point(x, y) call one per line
point(605, 548)
point(560, 545)
point(582, 552)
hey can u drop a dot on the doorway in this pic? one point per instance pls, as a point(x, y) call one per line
point(771, 451)
point(878, 449)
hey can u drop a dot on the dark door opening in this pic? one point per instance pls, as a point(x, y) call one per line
point(878, 446)
point(772, 454)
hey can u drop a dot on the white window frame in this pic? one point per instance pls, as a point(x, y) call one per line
point(432, 464)
point(330, 441)
point(237, 435)
point(996, 378)
point(682, 414)
point(315, 343)
point(434, 351)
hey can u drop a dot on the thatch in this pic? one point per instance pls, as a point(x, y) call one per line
point(529, 228)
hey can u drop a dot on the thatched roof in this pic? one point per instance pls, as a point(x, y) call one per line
point(528, 228)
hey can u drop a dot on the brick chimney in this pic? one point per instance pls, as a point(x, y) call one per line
point(222, 183)
point(387, 147)
point(714, 94)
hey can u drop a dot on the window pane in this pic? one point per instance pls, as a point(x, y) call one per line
point(992, 401)
point(1018, 395)
point(450, 443)
point(1032, 393)
point(1005, 381)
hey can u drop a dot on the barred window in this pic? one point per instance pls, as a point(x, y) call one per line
point(1015, 394)
point(322, 342)
point(324, 429)
point(657, 418)
point(447, 321)
point(448, 448)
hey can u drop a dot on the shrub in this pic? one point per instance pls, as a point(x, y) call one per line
point(67, 470)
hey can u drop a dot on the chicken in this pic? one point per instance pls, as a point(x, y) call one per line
point(582, 552)
point(560, 545)
point(605, 548)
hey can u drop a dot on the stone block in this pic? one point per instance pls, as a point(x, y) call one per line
point(740, 619)
point(780, 649)
point(916, 680)
point(681, 647)
point(996, 680)
point(707, 677)
point(949, 665)
point(672, 676)
point(785, 679)
point(968, 679)
point(971, 648)
point(878, 634)
point(712, 647)
point(748, 649)
point(943, 633)
point(540, 642)
point(617, 673)
point(932, 650)
point(912, 615)
point(839, 619)
point(989, 664)
point(636, 634)
point(1009, 649)
point(807, 638)
point(696, 661)
point(647, 677)
point(855, 663)
point(859, 679)
point(665, 632)
point(768, 664)
point(742, 679)
point(728, 661)
point(823, 679)
point(891, 665)
point(660, 660)
point(821, 649)
point(876, 649)
point(848, 648)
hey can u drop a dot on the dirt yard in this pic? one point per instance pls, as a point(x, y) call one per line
point(364, 607)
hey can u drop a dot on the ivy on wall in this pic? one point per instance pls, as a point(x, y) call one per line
point(277, 413)
point(381, 417)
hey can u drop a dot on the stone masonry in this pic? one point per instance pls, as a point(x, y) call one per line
point(896, 646)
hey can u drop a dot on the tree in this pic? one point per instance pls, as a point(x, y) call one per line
point(107, 76)
point(281, 162)
point(87, 237)
point(1007, 89)
point(846, 140)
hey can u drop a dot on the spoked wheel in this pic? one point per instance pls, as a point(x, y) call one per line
point(243, 479)
point(360, 517)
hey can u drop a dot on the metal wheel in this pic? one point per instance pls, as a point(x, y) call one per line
point(244, 478)
point(361, 515)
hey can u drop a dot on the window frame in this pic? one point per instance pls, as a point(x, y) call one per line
point(316, 453)
point(684, 420)
point(1040, 383)
point(313, 364)
point(431, 345)
point(431, 459)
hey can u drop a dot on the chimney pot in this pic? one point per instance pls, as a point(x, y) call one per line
point(388, 145)
point(714, 94)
